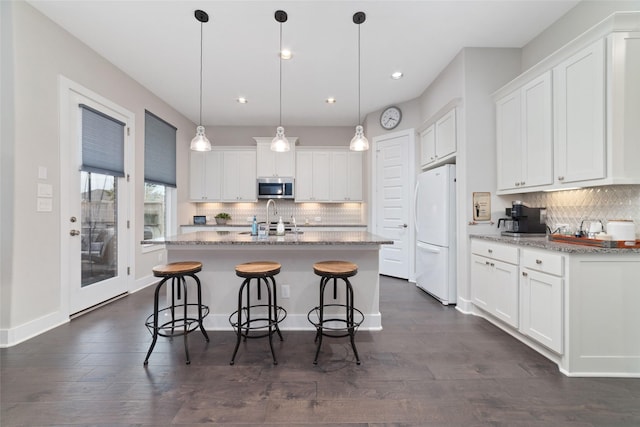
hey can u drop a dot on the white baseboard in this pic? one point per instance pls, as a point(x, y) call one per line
point(26, 331)
point(143, 282)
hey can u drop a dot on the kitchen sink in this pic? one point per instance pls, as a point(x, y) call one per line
point(273, 233)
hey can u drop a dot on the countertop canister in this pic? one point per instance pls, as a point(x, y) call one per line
point(621, 229)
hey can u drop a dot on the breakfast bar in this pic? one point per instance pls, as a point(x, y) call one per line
point(220, 251)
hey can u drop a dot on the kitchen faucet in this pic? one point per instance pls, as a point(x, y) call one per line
point(275, 212)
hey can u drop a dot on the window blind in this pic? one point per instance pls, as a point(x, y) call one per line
point(102, 143)
point(159, 151)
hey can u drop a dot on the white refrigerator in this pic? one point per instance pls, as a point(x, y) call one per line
point(435, 212)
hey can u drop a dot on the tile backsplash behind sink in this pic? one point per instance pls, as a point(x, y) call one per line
point(603, 203)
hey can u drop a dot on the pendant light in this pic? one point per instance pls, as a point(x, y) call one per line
point(359, 142)
point(280, 143)
point(200, 141)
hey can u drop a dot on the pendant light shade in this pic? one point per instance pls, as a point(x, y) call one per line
point(359, 142)
point(200, 141)
point(280, 143)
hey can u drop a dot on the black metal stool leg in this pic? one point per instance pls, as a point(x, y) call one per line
point(239, 320)
point(155, 320)
point(270, 318)
point(319, 333)
point(350, 318)
point(199, 290)
point(182, 281)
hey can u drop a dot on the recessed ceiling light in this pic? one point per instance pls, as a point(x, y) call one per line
point(242, 100)
point(330, 100)
point(397, 75)
point(285, 54)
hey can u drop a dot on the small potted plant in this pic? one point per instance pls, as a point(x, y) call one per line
point(222, 218)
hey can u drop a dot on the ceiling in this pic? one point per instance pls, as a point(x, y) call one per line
point(157, 42)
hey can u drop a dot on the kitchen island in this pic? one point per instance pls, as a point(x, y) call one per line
point(221, 251)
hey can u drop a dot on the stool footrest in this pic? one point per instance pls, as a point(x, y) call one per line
point(176, 327)
point(326, 325)
point(258, 323)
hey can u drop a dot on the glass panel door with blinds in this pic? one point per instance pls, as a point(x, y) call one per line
point(98, 257)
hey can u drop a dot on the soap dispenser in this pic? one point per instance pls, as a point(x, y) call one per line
point(254, 227)
point(280, 227)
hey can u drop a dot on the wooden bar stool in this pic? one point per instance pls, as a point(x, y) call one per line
point(179, 323)
point(265, 316)
point(333, 324)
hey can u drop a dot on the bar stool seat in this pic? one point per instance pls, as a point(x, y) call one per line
point(332, 324)
point(265, 316)
point(178, 323)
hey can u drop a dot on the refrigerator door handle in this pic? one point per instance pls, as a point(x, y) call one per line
point(428, 248)
point(415, 208)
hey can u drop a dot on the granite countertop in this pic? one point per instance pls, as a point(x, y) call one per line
point(248, 225)
point(542, 242)
point(363, 238)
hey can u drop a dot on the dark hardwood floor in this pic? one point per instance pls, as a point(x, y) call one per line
point(430, 366)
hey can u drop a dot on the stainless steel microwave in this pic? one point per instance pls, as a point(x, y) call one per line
point(275, 188)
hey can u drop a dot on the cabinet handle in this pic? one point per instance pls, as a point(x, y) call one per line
point(490, 251)
point(538, 261)
point(492, 265)
point(524, 274)
point(487, 263)
point(517, 184)
point(561, 178)
point(521, 182)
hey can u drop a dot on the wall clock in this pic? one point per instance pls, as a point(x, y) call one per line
point(390, 117)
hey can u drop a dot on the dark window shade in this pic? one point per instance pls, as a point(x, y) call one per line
point(159, 151)
point(102, 143)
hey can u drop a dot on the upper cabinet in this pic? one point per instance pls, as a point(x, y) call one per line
point(273, 164)
point(438, 141)
point(524, 136)
point(328, 175)
point(223, 175)
point(572, 120)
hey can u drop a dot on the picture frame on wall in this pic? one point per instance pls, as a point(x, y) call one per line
point(481, 206)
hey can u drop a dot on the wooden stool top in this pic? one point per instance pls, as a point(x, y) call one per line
point(258, 269)
point(335, 268)
point(177, 268)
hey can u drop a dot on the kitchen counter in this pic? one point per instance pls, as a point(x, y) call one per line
point(303, 225)
point(545, 243)
point(221, 251)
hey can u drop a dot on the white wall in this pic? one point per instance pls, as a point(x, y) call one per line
point(583, 16)
point(31, 259)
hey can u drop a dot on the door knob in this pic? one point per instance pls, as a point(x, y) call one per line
point(74, 232)
point(403, 225)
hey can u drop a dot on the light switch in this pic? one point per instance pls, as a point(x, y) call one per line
point(44, 204)
point(45, 190)
point(42, 172)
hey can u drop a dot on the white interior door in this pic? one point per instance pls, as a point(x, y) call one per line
point(392, 202)
point(95, 234)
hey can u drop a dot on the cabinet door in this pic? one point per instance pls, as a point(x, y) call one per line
point(304, 176)
point(579, 115)
point(504, 292)
point(274, 164)
point(508, 141)
point(354, 176)
point(446, 135)
point(481, 272)
point(428, 145)
point(541, 310)
point(205, 176)
point(537, 142)
point(239, 178)
point(321, 176)
point(339, 176)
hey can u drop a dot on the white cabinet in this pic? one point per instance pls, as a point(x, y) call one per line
point(438, 141)
point(579, 115)
point(524, 136)
point(274, 164)
point(541, 298)
point(238, 176)
point(328, 175)
point(223, 175)
point(205, 176)
point(494, 280)
point(346, 176)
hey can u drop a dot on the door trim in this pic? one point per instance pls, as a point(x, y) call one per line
point(376, 140)
point(65, 89)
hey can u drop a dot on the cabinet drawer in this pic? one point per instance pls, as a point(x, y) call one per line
point(506, 253)
point(544, 261)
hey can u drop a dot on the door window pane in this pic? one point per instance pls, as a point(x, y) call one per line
point(99, 250)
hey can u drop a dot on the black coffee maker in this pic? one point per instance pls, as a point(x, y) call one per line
point(524, 221)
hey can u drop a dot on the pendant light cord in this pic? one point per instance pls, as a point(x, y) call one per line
point(280, 55)
point(201, 26)
point(359, 120)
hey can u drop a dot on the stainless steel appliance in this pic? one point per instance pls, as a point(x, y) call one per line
point(275, 188)
point(435, 213)
point(523, 220)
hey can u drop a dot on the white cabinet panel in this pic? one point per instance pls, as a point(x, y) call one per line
point(238, 176)
point(328, 175)
point(579, 114)
point(274, 164)
point(438, 142)
point(205, 176)
point(428, 145)
point(541, 309)
point(346, 176)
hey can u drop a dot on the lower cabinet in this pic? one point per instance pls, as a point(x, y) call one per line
point(494, 273)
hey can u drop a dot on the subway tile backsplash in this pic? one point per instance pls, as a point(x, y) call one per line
point(328, 213)
point(603, 203)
